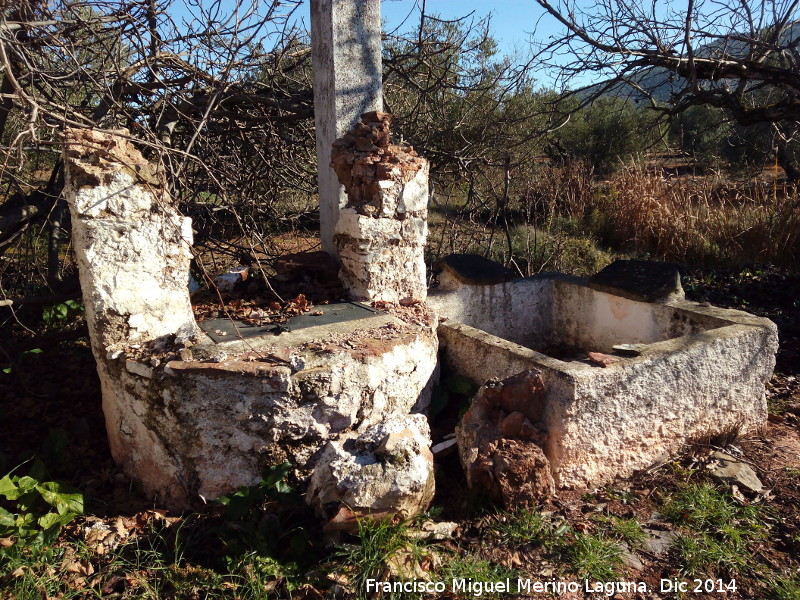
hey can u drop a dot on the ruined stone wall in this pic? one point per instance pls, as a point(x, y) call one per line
point(382, 230)
point(132, 245)
point(133, 250)
point(189, 419)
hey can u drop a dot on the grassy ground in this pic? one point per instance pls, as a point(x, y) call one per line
point(93, 536)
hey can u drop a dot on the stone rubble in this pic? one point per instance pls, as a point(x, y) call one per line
point(226, 282)
point(386, 469)
point(500, 441)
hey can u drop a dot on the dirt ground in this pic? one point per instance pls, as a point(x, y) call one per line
point(51, 406)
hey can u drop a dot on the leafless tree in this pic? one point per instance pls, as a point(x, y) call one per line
point(739, 56)
point(218, 91)
point(471, 112)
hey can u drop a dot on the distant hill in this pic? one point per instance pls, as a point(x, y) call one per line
point(663, 84)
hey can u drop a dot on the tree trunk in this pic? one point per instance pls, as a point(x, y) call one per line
point(785, 161)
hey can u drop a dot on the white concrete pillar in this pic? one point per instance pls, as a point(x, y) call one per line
point(132, 245)
point(346, 55)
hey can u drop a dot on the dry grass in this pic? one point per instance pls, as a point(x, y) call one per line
point(695, 221)
point(702, 221)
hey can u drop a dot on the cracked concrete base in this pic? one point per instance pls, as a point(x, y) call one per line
point(191, 430)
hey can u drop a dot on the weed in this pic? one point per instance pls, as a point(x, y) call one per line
point(59, 314)
point(261, 537)
point(31, 519)
point(589, 556)
point(621, 529)
point(540, 250)
point(380, 541)
point(786, 587)
point(622, 496)
point(29, 574)
point(716, 529)
point(527, 526)
point(592, 556)
point(8, 370)
point(477, 571)
point(454, 387)
point(697, 222)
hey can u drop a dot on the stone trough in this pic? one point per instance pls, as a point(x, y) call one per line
point(630, 371)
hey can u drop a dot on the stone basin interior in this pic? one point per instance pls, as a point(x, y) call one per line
point(563, 318)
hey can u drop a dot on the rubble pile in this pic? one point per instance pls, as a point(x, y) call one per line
point(500, 441)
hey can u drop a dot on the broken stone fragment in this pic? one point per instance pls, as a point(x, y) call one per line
point(601, 359)
point(643, 280)
point(434, 531)
point(444, 448)
point(500, 442)
point(457, 270)
point(659, 542)
point(385, 470)
point(629, 349)
point(515, 472)
point(727, 469)
point(133, 247)
point(228, 281)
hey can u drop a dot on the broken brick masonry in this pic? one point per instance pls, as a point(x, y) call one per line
point(382, 230)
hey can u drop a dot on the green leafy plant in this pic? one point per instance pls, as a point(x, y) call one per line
point(60, 313)
point(37, 509)
point(8, 370)
point(262, 535)
point(246, 501)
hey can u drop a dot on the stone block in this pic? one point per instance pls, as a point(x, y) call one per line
point(385, 469)
point(456, 270)
point(645, 280)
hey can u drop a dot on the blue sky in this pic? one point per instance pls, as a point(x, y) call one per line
point(512, 21)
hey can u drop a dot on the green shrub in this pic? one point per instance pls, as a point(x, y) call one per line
point(35, 510)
